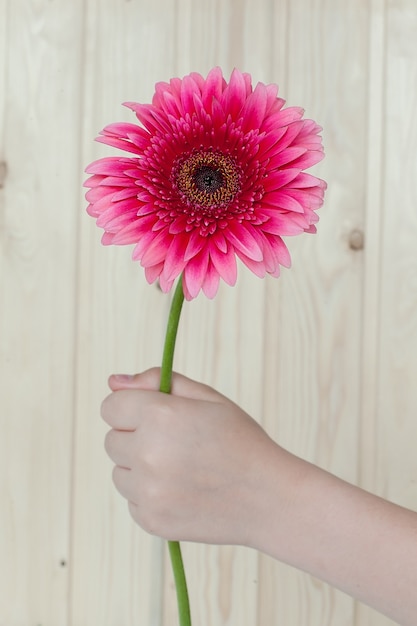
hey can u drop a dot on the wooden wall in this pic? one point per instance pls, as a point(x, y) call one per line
point(325, 357)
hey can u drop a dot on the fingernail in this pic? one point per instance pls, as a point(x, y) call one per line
point(123, 378)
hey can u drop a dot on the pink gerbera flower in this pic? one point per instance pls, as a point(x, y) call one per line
point(217, 173)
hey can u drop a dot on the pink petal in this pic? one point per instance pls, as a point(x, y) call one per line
point(213, 88)
point(129, 191)
point(280, 178)
point(94, 181)
point(115, 221)
point(146, 236)
point(186, 292)
point(240, 237)
point(128, 234)
point(171, 104)
point(272, 100)
point(308, 159)
point(253, 111)
point(188, 89)
point(195, 273)
point(195, 244)
point(199, 80)
point(269, 142)
point(91, 210)
point(289, 155)
point(280, 224)
point(174, 260)
point(106, 204)
point(125, 130)
point(224, 263)
point(166, 285)
point(282, 118)
point(257, 267)
point(110, 166)
point(312, 199)
point(107, 239)
point(153, 272)
point(156, 250)
point(145, 209)
point(219, 116)
point(122, 144)
point(307, 180)
point(279, 250)
point(97, 193)
point(178, 225)
point(211, 281)
point(99, 204)
point(234, 95)
point(283, 201)
point(291, 134)
point(150, 116)
point(219, 240)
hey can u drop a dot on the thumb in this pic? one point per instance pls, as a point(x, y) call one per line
point(150, 380)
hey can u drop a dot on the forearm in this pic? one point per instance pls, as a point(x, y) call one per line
point(343, 535)
point(194, 466)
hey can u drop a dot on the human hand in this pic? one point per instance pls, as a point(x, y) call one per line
point(189, 463)
point(194, 467)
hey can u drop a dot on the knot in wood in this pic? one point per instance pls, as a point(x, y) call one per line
point(3, 173)
point(356, 239)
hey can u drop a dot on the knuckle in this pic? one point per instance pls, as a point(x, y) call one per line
point(154, 371)
point(162, 413)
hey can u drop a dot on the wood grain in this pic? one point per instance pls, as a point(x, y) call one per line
point(121, 325)
point(38, 254)
point(389, 397)
point(313, 315)
point(324, 357)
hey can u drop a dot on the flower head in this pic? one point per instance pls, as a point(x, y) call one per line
point(217, 173)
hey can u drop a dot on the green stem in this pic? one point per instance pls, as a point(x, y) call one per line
point(165, 386)
point(170, 337)
point(180, 583)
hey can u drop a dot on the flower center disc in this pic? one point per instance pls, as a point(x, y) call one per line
point(207, 179)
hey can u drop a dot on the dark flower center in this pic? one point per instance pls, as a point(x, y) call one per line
point(207, 179)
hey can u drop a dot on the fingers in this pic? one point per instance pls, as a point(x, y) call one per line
point(138, 395)
point(123, 409)
point(124, 483)
point(150, 379)
point(146, 380)
point(118, 445)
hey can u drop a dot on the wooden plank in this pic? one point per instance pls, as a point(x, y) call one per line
point(4, 12)
point(118, 568)
point(389, 465)
point(398, 354)
point(39, 215)
point(312, 317)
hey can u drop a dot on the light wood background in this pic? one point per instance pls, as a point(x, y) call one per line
point(325, 357)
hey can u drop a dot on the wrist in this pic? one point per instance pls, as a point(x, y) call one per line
point(273, 494)
point(290, 513)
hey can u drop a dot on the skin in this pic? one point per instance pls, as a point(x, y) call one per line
point(194, 467)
